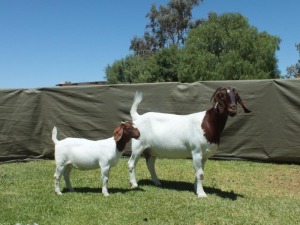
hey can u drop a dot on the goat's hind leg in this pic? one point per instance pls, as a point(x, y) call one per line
point(150, 161)
point(57, 175)
point(67, 172)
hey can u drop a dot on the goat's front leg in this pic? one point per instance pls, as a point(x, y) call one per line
point(199, 173)
point(150, 161)
point(105, 176)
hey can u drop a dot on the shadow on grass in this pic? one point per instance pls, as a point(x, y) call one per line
point(111, 190)
point(185, 186)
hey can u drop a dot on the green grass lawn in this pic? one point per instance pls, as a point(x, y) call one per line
point(238, 193)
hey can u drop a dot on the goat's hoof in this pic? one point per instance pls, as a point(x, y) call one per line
point(134, 186)
point(105, 194)
point(202, 195)
point(157, 183)
point(58, 193)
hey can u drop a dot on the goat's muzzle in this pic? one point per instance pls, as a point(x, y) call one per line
point(136, 134)
point(232, 110)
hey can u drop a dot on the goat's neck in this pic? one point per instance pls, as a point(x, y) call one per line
point(121, 144)
point(213, 125)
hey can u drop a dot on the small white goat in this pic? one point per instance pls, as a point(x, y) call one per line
point(195, 135)
point(86, 154)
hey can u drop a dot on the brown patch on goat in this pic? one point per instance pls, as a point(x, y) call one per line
point(213, 125)
point(224, 105)
point(124, 133)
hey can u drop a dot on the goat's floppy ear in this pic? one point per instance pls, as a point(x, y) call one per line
point(216, 97)
point(118, 132)
point(239, 100)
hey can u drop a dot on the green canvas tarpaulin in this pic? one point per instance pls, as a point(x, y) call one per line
point(269, 133)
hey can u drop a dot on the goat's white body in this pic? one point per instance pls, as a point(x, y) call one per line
point(170, 136)
point(84, 154)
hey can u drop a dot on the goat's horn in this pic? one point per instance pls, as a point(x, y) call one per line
point(216, 105)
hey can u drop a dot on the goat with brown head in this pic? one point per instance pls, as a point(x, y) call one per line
point(86, 154)
point(224, 104)
point(195, 135)
point(123, 133)
point(225, 101)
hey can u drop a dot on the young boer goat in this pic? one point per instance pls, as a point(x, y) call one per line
point(195, 135)
point(86, 154)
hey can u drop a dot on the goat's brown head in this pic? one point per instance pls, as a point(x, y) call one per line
point(225, 101)
point(127, 130)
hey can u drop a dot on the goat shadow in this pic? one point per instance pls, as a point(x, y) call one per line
point(98, 190)
point(186, 186)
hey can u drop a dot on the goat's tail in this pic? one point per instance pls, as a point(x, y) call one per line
point(133, 111)
point(54, 135)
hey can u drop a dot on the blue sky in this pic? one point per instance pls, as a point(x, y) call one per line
point(46, 42)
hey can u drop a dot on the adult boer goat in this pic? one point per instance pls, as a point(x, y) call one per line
point(195, 135)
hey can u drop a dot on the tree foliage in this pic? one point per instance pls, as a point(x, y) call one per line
point(293, 71)
point(131, 69)
point(168, 26)
point(158, 67)
point(224, 47)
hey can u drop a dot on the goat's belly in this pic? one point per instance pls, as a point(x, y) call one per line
point(170, 153)
point(88, 165)
point(181, 151)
